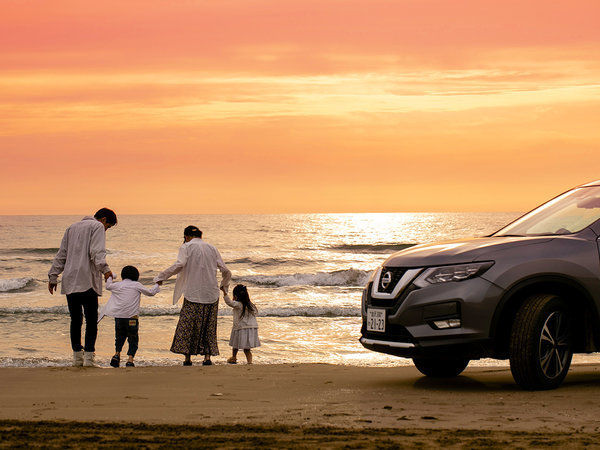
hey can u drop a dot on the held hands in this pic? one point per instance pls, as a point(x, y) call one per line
point(108, 275)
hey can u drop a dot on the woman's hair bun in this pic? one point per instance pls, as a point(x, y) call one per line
point(193, 231)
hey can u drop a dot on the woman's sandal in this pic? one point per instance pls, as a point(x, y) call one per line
point(232, 360)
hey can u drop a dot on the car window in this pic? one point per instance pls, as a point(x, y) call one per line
point(568, 213)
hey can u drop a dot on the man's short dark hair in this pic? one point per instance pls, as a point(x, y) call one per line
point(108, 214)
point(130, 273)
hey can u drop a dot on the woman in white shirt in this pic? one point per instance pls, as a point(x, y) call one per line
point(196, 266)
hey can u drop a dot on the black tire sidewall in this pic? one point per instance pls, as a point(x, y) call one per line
point(524, 347)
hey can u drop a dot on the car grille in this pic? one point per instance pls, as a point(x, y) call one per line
point(393, 303)
point(395, 273)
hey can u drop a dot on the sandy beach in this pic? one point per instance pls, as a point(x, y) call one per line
point(304, 405)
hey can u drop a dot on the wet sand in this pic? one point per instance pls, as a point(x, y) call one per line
point(304, 405)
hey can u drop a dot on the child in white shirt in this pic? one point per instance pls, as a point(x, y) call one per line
point(124, 306)
point(244, 332)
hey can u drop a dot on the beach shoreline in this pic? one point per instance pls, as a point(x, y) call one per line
point(301, 399)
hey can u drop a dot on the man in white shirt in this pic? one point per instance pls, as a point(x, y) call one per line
point(82, 261)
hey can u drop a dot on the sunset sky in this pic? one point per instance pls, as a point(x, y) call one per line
point(260, 106)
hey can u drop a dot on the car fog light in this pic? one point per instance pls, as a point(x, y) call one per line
point(447, 323)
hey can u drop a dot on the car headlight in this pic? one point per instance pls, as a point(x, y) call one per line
point(458, 272)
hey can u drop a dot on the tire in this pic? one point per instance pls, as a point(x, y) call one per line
point(441, 367)
point(541, 343)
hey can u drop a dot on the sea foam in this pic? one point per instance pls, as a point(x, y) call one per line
point(224, 311)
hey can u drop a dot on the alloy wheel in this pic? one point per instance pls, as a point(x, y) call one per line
point(554, 345)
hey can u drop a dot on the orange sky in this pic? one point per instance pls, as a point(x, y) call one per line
point(258, 106)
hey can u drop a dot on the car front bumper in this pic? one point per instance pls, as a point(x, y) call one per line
point(411, 319)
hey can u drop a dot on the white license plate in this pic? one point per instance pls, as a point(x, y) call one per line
point(376, 320)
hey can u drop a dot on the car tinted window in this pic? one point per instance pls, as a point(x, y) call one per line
point(568, 213)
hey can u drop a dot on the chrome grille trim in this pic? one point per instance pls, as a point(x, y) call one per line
point(404, 281)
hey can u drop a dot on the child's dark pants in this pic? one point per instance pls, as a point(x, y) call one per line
point(126, 329)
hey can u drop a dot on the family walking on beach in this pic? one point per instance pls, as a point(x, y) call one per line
point(81, 259)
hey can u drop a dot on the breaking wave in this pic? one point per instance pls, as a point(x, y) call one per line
point(30, 251)
point(270, 262)
point(16, 284)
point(349, 277)
point(371, 248)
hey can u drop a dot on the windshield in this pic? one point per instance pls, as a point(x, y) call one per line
point(566, 214)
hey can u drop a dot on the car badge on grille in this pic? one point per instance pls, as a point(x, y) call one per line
point(386, 279)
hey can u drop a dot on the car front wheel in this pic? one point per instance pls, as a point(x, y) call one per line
point(540, 348)
point(441, 367)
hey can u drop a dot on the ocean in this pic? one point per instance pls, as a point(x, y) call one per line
point(305, 273)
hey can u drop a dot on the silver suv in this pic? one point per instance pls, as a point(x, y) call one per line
point(529, 293)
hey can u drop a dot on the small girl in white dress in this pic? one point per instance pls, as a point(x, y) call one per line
point(244, 332)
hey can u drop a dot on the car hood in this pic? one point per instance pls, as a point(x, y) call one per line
point(460, 251)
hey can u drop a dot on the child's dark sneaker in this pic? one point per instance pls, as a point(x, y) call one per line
point(115, 360)
point(129, 364)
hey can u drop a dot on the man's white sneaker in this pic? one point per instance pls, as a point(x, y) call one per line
point(78, 359)
point(88, 359)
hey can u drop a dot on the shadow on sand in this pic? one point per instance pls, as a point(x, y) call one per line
point(494, 380)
